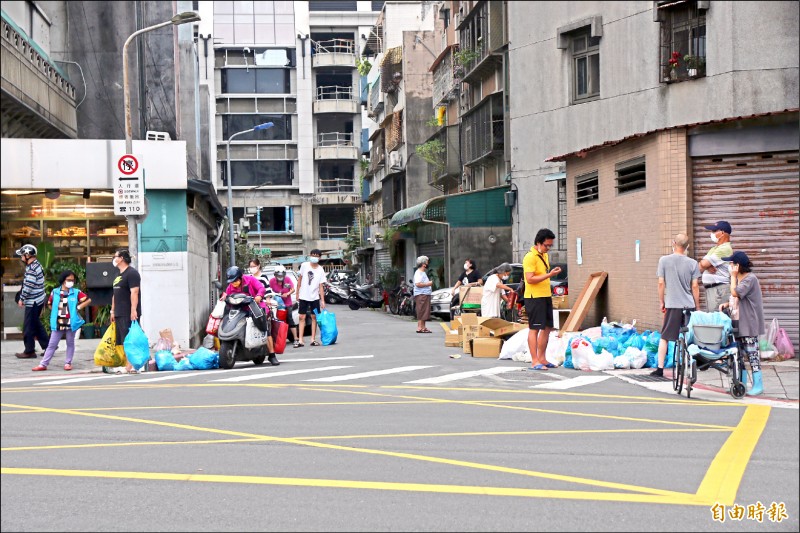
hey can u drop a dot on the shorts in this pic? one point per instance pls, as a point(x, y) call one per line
point(306, 307)
point(673, 320)
point(123, 326)
point(540, 312)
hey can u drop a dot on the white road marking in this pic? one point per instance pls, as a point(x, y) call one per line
point(348, 377)
point(173, 374)
point(78, 380)
point(293, 360)
point(464, 375)
point(580, 381)
point(265, 375)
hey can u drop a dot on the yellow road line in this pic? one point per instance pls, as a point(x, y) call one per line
point(724, 476)
point(439, 460)
point(675, 498)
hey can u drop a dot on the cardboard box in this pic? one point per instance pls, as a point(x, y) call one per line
point(452, 332)
point(472, 297)
point(497, 327)
point(559, 302)
point(470, 328)
point(486, 347)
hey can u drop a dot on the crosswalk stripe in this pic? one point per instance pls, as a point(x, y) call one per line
point(78, 380)
point(572, 383)
point(293, 360)
point(265, 375)
point(177, 374)
point(463, 375)
point(348, 377)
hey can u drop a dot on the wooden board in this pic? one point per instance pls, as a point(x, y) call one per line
point(584, 302)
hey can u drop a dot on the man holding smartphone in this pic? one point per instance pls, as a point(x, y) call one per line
point(539, 298)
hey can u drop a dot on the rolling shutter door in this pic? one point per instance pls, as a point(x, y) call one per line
point(383, 260)
point(758, 195)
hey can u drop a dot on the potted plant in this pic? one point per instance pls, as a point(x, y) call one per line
point(102, 320)
point(694, 64)
point(674, 61)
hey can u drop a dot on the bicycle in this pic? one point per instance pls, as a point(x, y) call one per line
point(683, 362)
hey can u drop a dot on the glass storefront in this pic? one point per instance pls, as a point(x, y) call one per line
point(80, 229)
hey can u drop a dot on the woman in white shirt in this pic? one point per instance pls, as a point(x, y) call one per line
point(422, 294)
point(493, 291)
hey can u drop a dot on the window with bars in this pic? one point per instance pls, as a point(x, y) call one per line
point(585, 66)
point(683, 41)
point(562, 215)
point(631, 175)
point(587, 188)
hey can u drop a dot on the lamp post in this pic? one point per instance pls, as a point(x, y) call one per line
point(180, 18)
point(228, 175)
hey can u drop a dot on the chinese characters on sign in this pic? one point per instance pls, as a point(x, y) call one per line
point(128, 187)
point(776, 512)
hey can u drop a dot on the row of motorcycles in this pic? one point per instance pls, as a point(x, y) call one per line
point(346, 289)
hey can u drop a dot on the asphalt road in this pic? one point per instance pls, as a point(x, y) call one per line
point(384, 432)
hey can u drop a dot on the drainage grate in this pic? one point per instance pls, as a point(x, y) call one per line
point(647, 377)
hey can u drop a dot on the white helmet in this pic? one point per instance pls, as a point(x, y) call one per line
point(280, 271)
point(27, 249)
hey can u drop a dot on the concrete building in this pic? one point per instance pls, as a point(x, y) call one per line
point(664, 117)
point(63, 124)
point(295, 185)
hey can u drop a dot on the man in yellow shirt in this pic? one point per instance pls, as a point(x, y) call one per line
point(539, 298)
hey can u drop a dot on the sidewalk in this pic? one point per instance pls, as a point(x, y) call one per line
point(781, 381)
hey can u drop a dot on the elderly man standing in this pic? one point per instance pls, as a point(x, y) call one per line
point(716, 276)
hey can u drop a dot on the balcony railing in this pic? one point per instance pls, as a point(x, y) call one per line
point(337, 185)
point(333, 53)
point(328, 232)
point(334, 92)
point(336, 99)
point(483, 130)
point(334, 139)
point(481, 35)
point(335, 145)
point(444, 79)
point(448, 167)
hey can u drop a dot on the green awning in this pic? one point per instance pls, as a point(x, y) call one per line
point(429, 210)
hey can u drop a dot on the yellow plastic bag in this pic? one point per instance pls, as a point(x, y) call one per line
point(108, 353)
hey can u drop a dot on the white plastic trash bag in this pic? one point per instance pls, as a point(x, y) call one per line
point(219, 309)
point(601, 361)
point(557, 348)
point(516, 344)
point(582, 351)
point(621, 361)
point(636, 357)
point(254, 337)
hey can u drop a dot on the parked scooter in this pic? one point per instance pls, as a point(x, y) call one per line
point(336, 293)
point(231, 333)
point(361, 296)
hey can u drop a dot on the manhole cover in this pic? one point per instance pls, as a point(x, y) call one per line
point(647, 377)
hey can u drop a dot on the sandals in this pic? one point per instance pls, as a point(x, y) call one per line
point(426, 330)
point(315, 343)
point(298, 344)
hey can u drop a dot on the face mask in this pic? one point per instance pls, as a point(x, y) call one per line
point(253, 270)
point(115, 262)
point(314, 260)
point(714, 238)
point(69, 284)
point(466, 266)
point(504, 278)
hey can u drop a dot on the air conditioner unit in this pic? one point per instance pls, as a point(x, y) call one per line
point(158, 136)
point(236, 228)
point(395, 160)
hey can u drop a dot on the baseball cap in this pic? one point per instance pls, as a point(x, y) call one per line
point(721, 225)
point(739, 258)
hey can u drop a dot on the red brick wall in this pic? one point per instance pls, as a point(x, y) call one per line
point(610, 226)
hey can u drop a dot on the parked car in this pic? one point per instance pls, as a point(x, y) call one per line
point(440, 300)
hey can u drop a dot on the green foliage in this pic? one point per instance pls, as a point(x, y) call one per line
point(353, 239)
point(103, 316)
point(433, 152)
point(695, 62)
point(52, 273)
point(363, 66)
point(466, 56)
point(433, 122)
point(45, 254)
point(390, 277)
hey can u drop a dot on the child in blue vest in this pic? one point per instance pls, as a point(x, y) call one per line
point(65, 301)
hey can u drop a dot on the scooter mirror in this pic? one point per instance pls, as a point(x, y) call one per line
point(217, 285)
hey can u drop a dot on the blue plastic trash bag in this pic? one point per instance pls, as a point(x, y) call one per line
point(568, 359)
point(165, 360)
point(651, 343)
point(327, 327)
point(184, 364)
point(279, 300)
point(204, 359)
point(670, 358)
point(137, 347)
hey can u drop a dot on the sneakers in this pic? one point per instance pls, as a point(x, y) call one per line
point(68, 367)
point(26, 355)
point(39, 368)
point(658, 372)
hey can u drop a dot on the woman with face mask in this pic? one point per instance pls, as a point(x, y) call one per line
point(471, 277)
point(66, 300)
point(255, 271)
point(494, 291)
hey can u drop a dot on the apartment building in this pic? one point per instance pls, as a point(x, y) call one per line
point(651, 118)
point(294, 186)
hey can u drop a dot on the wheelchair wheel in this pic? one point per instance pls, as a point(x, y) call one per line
point(738, 388)
point(678, 367)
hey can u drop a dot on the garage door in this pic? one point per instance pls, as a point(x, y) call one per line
point(758, 194)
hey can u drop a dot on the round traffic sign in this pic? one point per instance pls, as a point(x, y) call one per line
point(128, 164)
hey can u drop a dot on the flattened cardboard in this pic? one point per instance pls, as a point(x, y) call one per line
point(559, 302)
point(584, 302)
point(486, 347)
point(473, 295)
point(497, 327)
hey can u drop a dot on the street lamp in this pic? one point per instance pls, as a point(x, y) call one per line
point(180, 18)
point(264, 126)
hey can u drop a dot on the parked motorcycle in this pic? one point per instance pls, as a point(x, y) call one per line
point(361, 296)
point(400, 297)
point(232, 330)
point(336, 293)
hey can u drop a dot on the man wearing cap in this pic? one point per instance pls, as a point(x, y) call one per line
point(716, 276)
point(32, 298)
